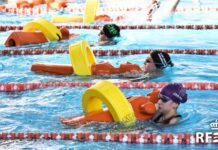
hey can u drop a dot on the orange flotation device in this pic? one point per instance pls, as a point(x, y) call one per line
point(102, 68)
point(143, 107)
point(50, 3)
point(84, 63)
point(57, 69)
point(103, 17)
point(26, 4)
point(105, 68)
point(56, 4)
point(19, 38)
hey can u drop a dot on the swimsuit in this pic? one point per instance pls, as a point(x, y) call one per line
point(166, 121)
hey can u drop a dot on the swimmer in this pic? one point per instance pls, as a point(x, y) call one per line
point(170, 98)
point(107, 34)
point(159, 11)
point(153, 66)
point(162, 104)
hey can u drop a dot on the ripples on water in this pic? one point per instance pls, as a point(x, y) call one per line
point(188, 68)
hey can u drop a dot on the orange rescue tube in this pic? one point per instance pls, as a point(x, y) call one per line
point(56, 4)
point(143, 108)
point(27, 4)
point(103, 18)
point(58, 69)
point(38, 2)
point(24, 4)
point(103, 68)
point(19, 38)
point(129, 67)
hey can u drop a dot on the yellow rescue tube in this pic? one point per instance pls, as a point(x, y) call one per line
point(46, 27)
point(90, 11)
point(82, 58)
point(64, 19)
point(112, 97)
point(91, 7)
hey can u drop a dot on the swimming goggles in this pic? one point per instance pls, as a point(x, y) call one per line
point(164, 98)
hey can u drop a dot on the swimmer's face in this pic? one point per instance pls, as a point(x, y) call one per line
point(149, 65)
point(102, 37)
point(166, 106)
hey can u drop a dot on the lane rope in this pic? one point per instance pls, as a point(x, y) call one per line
point(37, 10)
point(112, 52)
point(124, 27)
point(11, 87)
point(136, 138)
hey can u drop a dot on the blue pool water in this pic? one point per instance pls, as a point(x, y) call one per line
point(188, 68)
point(39, 110)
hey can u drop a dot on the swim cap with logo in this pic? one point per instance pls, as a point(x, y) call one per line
point(175, 92)
point(161, 59)
point(111, 30)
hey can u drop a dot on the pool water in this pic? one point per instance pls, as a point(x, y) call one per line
point(40, 110)
point(188, 68)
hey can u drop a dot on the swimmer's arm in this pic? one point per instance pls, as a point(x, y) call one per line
point(167, 10)
point(150, 5)
point(174, 6)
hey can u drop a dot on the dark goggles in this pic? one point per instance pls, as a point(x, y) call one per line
point(164, 98)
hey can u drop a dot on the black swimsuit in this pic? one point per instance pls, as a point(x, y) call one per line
point(166, 121)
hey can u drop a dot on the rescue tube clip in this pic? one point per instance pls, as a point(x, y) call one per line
point(46, 27)
point(91, 7)
point(113, 98)
point(82, 58)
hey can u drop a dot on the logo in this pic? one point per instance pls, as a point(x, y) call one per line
point(208, 137)
point(214, 125)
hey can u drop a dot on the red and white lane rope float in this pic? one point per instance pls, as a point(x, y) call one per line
point(124, 27)
point(11, 87)
point(38, 10)
point(147, 138)
point(108, 52)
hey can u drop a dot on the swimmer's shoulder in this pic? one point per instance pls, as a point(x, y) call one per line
point(175, 119)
